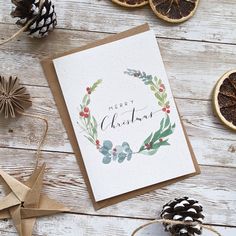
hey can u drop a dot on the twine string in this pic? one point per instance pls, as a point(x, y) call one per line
point(41, 142)
point(20, 31)
point(175, 222)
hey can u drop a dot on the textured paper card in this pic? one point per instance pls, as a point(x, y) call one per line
point(124, 116)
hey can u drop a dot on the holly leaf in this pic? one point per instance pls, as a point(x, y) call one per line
point(162, 122)
point(156, 145)
point(167, 132)
point(153, 88)
point(149, 152)
point(85, 99)
point(158, 96)
point(156, 136)
point(167, 121)
point(94, 122)
point(147, 140)
point(141, 148)
point(90, 139)
point(87, 102)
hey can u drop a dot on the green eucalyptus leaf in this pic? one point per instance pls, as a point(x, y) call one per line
point(106, 160)
point(121, 157)
point(107, 144)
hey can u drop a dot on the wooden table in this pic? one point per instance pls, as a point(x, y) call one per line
point(196, 53)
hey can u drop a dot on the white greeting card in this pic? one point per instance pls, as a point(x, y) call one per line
point(124, 115)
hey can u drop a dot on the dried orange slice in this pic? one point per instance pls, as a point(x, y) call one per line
point(224, 99)
point(174, 11)
point(131, 3)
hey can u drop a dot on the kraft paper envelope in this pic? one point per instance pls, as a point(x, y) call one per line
point(51, 76)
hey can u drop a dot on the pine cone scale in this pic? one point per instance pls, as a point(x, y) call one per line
point(183, 209)
point(43, 18)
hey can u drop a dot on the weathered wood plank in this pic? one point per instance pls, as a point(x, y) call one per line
point(84, 225)
point(193, 67)
point(214, 188)
point(104, 16)
point(212, 142)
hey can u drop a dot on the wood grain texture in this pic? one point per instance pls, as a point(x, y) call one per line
point(83, 225)
point(196, 53)
point(214, 188)
point(212, 21)
point(192, 67)
point(212, 143)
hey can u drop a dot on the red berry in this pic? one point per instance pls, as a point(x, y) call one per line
point(161, 140)
point(81, 113)
point(86, 109)
point(88, 89)
point(164, 109)
point(86, 115)
point(161, 90)
point(89, 92)
point(162, 86)
point(146, 144)
point(97, 142)
point(168, 111)
point(114, 150)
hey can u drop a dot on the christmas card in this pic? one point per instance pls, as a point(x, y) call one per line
point(124, 116)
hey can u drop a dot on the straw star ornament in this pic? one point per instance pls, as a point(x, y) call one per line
point(24, 203)
point(13, 97)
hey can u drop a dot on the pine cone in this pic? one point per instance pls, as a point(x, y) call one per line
point(43, 15)
point(13, 97)
point(183, 209)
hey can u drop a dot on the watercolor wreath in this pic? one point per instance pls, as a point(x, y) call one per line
point(123, 152)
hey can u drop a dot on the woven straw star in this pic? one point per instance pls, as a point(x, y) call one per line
point(13, 97)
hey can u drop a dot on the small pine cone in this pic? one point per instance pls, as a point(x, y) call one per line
point(44, 16)
point(183, 209)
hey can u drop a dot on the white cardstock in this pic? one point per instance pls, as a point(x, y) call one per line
point(124, 115)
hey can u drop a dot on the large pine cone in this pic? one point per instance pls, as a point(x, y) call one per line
point(44, 16)
point(183, 209)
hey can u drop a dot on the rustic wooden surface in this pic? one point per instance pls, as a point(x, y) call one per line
point(196, 53)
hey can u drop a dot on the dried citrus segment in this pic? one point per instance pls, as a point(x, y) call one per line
point(174, 11)
point(131, 3)
point(224, 99)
